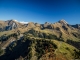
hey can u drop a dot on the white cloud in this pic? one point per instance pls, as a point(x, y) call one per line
point(23, 22)
point(15, 20)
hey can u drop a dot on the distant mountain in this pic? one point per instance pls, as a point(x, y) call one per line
point(34, 41)
point(9, 25)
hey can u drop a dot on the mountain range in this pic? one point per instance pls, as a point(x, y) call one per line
point(34, 41)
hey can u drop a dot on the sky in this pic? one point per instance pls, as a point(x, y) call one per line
point(41, 11)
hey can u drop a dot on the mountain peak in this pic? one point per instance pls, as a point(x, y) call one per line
point(46, 22)
point(63, 22)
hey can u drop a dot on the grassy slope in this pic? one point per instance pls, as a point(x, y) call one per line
point(65, 49)
point(65, 34)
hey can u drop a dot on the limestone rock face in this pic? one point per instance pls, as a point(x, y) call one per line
point(11, 25)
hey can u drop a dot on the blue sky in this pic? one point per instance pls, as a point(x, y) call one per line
point(41, 11)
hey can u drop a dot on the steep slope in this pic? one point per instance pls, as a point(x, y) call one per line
point(29, 48)
point(10, 25)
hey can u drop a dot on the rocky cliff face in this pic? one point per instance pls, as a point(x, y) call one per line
point(9, 25)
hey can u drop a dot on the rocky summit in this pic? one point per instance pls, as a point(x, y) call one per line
point(34, 41)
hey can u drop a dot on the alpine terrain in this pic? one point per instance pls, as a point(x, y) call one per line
point(34, 41)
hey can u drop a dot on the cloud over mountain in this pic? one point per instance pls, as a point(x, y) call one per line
point(23, 22)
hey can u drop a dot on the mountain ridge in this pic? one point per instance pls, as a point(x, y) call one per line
point(7, 22)
point(37, 41)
